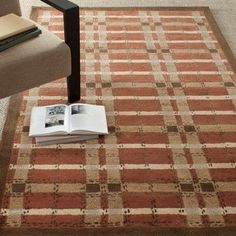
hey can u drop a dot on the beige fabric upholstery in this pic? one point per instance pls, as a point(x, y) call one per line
point(34, 62)
point(9, 6)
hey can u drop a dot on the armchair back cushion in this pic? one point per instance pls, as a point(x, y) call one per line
point(9, 6)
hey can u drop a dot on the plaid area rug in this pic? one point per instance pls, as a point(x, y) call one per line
point(167, 80)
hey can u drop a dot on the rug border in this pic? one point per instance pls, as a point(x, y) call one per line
point(7, 138)
point(8, 135)
point(137, 231)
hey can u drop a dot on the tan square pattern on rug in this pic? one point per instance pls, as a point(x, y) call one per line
point(167, 80)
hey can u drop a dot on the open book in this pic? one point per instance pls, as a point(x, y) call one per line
point(75, 119)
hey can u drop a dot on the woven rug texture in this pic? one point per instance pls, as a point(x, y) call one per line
point(167, 80)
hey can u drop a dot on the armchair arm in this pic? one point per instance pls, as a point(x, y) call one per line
point(72, 39)
point(61, 5)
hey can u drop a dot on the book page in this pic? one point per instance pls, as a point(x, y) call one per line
point(49, 120)
point(87, 119)
point(48, 140)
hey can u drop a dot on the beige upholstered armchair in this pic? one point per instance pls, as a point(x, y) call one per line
point(45, 58)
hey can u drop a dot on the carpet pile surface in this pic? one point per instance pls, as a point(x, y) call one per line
point(167, 80)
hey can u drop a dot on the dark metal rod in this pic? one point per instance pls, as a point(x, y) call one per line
point(72, 39)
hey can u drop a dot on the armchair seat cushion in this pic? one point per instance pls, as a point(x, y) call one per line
point(46, 57)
